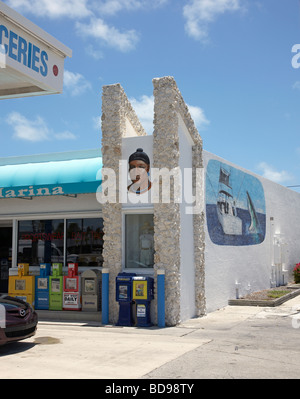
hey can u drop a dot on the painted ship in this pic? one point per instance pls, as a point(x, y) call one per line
point(226, 206)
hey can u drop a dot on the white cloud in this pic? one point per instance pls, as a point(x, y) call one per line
point(199, 13)
point(111, 7)
point(27, 130)
point(33, 130)
point(144, 108)
point(93, 52)
point(94, 27)
point(270, 173)
point(65, 136)
point(296, 85)
point(52, 8)
point(109, 35)
point(75, 83)
point(80, 8)
point(198, 116)
point(97, 122)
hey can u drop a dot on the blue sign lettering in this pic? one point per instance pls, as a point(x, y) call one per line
point(22, 51)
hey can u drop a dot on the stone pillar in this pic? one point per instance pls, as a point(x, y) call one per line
point(167, 216)
point(118, 120)
point(168, 107)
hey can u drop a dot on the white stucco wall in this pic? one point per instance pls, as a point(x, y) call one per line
point(251, 265)
point(187, 269)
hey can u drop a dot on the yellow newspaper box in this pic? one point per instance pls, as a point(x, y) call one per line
point(140, 290)
point(142, 295)
point(22, 286)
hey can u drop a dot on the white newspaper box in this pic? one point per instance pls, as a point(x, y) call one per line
point(91, 290)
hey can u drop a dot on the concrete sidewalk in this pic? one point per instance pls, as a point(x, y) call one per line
point(244, 343)
point(234, 342)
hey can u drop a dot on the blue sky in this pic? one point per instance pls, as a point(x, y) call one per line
point(231, 59)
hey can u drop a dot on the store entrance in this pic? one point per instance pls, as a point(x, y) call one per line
point(5, 256)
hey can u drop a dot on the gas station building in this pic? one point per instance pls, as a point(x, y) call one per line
point(212, 229)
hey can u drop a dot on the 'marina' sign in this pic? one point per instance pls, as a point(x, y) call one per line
point(30, 192)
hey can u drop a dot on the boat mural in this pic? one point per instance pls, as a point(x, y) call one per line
point(226, 206)
point(235, 206)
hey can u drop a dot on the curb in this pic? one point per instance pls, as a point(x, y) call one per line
point(264, 303)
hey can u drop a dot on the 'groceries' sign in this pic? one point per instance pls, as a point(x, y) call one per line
point(31, 60)
point(16, 47)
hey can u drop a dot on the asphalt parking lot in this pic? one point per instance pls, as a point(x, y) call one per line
point(232, 343)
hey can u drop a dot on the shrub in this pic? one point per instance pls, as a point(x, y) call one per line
point(296, 273)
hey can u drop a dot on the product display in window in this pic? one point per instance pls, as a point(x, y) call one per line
point(139, 241)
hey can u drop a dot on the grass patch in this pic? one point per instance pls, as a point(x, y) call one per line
point(276, 293)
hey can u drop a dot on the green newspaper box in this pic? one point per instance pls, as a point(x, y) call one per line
point(56, 287)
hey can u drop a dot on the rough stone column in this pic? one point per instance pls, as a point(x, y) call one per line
point(112, 213)
point(117, 114)
point(199, 236)
point(167, 216)
point(168, 105)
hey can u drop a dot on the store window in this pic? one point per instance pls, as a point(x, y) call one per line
point(40, 241)
point(85, 241)
point(139, 241)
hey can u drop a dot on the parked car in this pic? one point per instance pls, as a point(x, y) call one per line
point(17, 319)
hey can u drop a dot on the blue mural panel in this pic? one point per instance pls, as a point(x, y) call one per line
point(235, 206)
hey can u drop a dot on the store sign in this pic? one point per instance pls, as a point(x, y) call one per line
point(50, 190)
point(30, 192)
point(23, 51)
point(31, 61)
point(29, 56)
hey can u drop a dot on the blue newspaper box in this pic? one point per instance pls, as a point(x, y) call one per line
point(142, 294)
point(124, 297)
point(42, 287)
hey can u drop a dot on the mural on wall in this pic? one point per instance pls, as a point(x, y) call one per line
point(139, 171)
point(235, 206)
point(136, 180)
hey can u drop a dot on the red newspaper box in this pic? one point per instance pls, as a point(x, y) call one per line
point(72, 289)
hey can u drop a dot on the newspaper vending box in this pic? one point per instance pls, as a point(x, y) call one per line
point(124, 297)
point(22, 286)
point(143, 295)
point(42, 287)
point(56, 287)
point(91, 290)
point(72, 288)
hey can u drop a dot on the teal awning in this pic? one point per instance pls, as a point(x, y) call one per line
point(77, 176)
